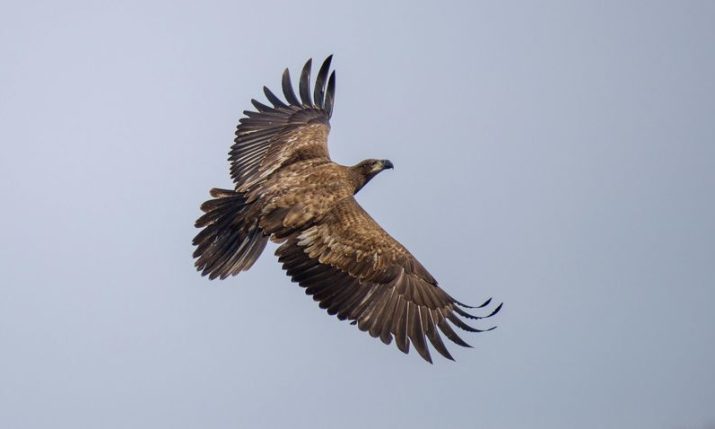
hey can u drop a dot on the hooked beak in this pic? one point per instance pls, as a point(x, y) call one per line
point(386, 164)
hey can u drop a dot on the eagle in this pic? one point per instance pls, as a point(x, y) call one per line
point(288, 190)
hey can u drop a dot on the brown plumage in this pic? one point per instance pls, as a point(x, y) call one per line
point(287, 189)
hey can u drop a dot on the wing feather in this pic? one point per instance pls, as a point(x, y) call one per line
point(304, 84)
point(357, 271)
point(399, 327)
point(272, 137)
point(433, 335)
point(273, 98)
point(319, 92)
point(330, 95)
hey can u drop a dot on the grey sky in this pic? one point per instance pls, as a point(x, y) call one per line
point(555, 155)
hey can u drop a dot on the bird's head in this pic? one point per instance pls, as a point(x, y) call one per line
point(369, 168)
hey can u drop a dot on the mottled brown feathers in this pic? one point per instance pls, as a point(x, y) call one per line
point(270, 137)
point(288, 189)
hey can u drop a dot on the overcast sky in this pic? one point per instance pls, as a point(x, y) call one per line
point(558, 156)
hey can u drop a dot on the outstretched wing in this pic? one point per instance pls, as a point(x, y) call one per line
point(291, 130)
point(357, 271)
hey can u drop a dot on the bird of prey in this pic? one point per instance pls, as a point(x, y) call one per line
point(287, 189)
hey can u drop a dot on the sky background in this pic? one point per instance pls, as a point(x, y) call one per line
point(558, 156)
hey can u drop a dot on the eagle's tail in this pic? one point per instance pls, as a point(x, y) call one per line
point(229, 242)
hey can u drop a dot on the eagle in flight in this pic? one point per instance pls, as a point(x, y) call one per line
point(287, 189)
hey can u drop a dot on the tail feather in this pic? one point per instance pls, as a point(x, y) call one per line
point(229, 242)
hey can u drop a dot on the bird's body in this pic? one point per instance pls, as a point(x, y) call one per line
point(289, 190)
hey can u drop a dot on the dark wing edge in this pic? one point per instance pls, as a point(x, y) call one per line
point(268, 126)
point(397, 303)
